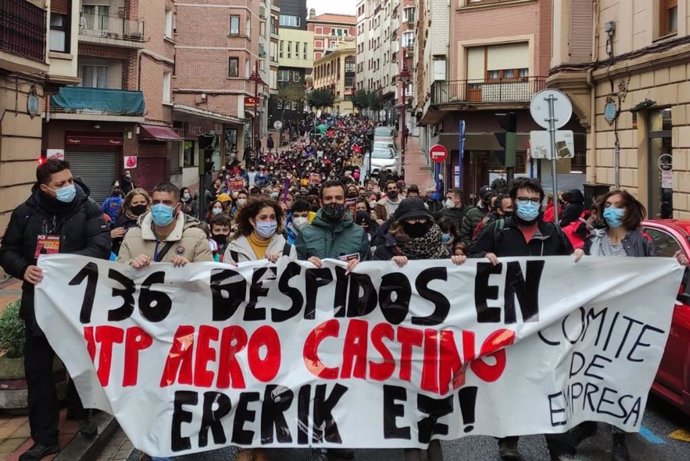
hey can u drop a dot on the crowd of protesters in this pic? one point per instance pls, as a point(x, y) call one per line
point(310, 199)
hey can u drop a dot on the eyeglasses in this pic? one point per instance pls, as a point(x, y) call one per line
point(524, 200)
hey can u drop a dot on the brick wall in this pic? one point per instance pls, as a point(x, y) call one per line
point(203, 46)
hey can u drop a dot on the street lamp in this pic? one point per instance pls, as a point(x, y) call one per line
point(256, 78)
point(404, 78)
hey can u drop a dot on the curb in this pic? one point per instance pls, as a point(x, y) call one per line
point(80, 448)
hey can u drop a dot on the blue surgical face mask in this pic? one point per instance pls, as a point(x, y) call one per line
point(162, 214)
point(266, 229)
point(528, 211)
point(66, 194)
point(614, 216)
point(445, 238)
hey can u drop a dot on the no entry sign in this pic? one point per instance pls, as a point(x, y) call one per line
point(438, 153)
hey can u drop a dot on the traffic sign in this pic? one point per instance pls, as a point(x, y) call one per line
point(562, 108)
point(277, 125)
point(438, 153)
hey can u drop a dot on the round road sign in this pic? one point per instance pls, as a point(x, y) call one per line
point(562, 108)
point(438, 153)
point(277, 125)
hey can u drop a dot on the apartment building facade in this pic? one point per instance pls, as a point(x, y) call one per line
point(625, 68)
point(499, 57)
point(330, 30)
point(295, 61)
point(336, 71)
point(219, 70)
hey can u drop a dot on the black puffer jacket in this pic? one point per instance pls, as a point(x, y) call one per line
point(79, 224)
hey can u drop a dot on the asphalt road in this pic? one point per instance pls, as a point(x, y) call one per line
point(655, 442)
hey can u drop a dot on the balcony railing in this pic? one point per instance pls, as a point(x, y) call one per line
point(98, 101)
point(23, 29)
point(486, 91)
point(113, 27)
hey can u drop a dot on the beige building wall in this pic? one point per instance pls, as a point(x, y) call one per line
point(293, 36)
point(630, 55)
point(329, 72)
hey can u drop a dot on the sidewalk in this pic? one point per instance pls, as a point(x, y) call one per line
point(417, 170)
point(15, 436)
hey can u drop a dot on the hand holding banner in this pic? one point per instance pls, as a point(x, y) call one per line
point(195, 358)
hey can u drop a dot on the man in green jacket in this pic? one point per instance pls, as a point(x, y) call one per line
point(333, 233)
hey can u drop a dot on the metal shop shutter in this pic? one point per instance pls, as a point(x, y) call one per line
point(98, 170)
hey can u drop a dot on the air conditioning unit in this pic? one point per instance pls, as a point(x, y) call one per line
point(262, 54)
point(262, 12)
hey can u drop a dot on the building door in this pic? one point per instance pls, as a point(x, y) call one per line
point(660, 199)
point(97, 169)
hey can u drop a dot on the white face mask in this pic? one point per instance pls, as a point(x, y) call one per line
point(299, 222)
point(450, 203)
point(372, 204)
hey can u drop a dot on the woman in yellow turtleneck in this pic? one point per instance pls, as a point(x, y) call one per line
point(259, 233)
point(259, 236)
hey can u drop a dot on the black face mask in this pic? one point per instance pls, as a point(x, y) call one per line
point(393, 194)
point(138, 210)
point(333, 211)
point(221, 239)
point(416, 230)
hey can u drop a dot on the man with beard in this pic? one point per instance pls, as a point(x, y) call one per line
point(386, 206)
point(525, 234)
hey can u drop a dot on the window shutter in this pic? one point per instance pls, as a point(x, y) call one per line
point(60, 6)
point(580, 39)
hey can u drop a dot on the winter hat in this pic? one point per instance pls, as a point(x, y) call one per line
point(411, 208)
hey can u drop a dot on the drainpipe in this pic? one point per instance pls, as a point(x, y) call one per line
point(592, 92)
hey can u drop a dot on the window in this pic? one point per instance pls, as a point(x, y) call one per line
point(234, 25)
point(233, 67)
point(168, 23)
point(280, 46)
point(283, 75)
point(304, 48)
point(94, 76)
point(409, 14)
point(296, 77)
point(289, 50)
point(248, 28)
point(507, 74)
point(95, 17)
point(262, 29)
point(59, 32)
point(188, 157)
point(668, 15)
point(664, 243)
point(289, 21)
point(297, 50)
point(167, 86)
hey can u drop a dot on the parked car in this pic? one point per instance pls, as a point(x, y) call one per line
point(384, 158)
point(672, 382)
point(383, 132)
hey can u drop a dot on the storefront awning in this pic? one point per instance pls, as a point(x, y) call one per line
point(157, 133)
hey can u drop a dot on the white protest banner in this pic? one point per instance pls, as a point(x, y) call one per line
point(195, 358)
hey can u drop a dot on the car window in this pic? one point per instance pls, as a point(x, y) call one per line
point(665, 244)
point(382, 154)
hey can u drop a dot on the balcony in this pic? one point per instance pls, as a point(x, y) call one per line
point(77, 103)
point(111, 31)
point(23, 29)
point(485, 91)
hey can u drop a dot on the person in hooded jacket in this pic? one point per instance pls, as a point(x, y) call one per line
point(413, 235)
point(58, 217)
point(474, 215)
point(259, 234)
point(574, 205)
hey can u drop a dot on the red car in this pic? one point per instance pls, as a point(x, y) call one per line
point(672, 382)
